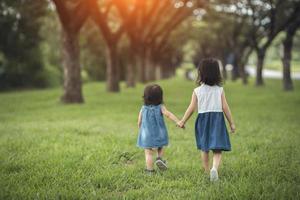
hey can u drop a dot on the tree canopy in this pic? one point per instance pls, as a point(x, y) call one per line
point(136, 41)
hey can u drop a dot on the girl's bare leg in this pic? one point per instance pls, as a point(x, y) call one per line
point(149, 159)
point(205, 160)
point(217, 159)
point(160, 152)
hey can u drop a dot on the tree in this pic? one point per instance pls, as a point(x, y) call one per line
point(224, 35)
point(21, 63)
point(287, 53)
point(92, 52)
point(269, 18)
point(149, 26)
point(111, 38)
point(72, 16)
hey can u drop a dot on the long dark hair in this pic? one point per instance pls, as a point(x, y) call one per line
point(209, 72)
point(153, 95)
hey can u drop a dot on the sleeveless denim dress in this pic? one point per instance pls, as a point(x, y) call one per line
point(210, 128)
point(153, 132)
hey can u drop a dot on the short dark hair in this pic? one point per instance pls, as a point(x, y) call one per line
point(153, 95)
point(209, 72)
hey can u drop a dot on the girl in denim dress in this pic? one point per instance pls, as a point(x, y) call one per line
point(153, 134)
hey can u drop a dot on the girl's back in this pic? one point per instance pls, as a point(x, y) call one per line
point(211, 132)
point(209, 98)
point(210, 128)
point(153, 132)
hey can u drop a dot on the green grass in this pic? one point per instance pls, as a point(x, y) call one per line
point(277, 65)
point(54, 151)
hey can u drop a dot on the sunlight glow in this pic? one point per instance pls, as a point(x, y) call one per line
point(178, 4)
point(189, 4)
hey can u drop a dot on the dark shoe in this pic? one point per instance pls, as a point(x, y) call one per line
point(149, 171)
point(161, 164)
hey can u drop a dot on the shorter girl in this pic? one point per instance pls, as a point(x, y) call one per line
point(210, 127)
point(153, 135)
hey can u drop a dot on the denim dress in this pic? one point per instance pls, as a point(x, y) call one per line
point(210, 128)
point(153, 132)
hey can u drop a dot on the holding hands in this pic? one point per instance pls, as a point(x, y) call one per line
point(180, 124)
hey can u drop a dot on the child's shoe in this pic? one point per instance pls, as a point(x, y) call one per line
point(161, 164)
point(214, 174)
point(149, 171)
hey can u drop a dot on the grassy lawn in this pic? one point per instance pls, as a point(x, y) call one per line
point(54, 151)
point(277, 65)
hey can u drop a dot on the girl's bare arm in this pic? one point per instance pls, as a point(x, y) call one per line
point(169, 114)
point(227, 112)
point(189, 111)
point(140, 119)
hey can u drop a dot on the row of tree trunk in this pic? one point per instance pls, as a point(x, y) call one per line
point(241, 58)
point(143, 65)
point(72, 17)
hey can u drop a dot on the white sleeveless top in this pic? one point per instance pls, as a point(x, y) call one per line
point(209, 98)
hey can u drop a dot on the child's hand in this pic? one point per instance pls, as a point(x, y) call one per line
point(232, 127)
point(180, 124)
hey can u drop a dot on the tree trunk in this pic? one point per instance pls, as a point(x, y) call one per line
point(140, 64)
point(286, 61)
point(71, 65)
point(149, 68)
point(243, 73)
point(259, 68)
point(235, 69)
point(173, 71)
point(158, 72)
point(130, 78)
point(244, 60)
point(112, 69)
point(164, 73)
point(130, 70)
point(241, 69)
point(167, 72)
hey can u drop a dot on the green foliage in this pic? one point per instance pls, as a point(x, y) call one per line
point(222, 33)
point(273, 59)
point(275, 52)
point(277, 65)
point(49, 150)
point(93, 52)
point(51, 46)
point(19, 43)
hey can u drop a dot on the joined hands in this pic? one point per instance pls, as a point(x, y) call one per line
point(180, 124)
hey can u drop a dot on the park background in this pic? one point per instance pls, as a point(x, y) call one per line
point(72, 74)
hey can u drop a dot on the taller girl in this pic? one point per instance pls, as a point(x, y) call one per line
point(210, 127)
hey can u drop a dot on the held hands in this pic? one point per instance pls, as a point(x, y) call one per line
point(180, 124)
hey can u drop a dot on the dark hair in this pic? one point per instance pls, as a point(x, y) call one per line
point(153, 95)
point(209, 72)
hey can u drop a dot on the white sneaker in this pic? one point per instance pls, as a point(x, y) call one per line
point(214, 175)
